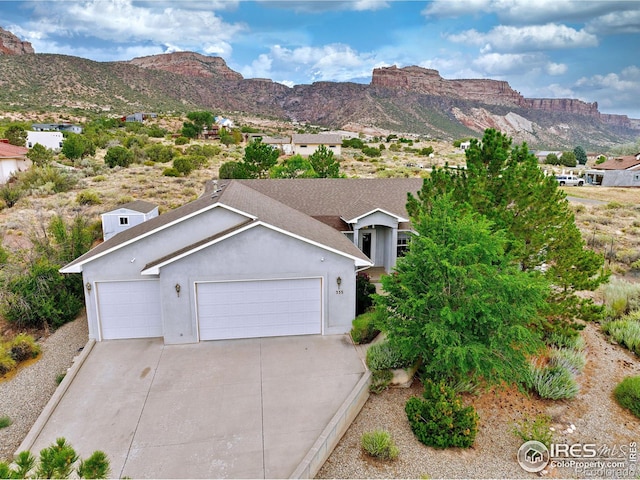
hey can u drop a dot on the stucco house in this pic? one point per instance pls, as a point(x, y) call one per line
point(50, 140)
point(12, 159)
point(249, 258)
point(307, 144)
point(126, 216)
point(616, 172)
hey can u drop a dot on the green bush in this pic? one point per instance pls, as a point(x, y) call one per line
point(50, 179)
point(572, 360)
point(371, 151)
point(7, 363)
point(42, 296)
point(364, 291)
point(23, 347)
point(621, 297)
point(5, 421)
point(625, 331)
point(384, 356)
point(232, 169)
point(627, 394)
point(181, 141)
point(171, 172)
point(440, 419)
point(183, 164)
point(160, 153)
point(553, 381)
point(10, 194)
point(364, 327)
point(379, 444)
point(380, 380)
point(539, 430)
point(88, 197)
point(118, 156)
point(56, 461)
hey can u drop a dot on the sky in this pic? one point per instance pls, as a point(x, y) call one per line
point(584, 49)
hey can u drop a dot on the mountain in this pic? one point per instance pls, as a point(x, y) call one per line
point(401, 100)
point(12, 45)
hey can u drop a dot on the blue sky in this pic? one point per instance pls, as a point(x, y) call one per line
point(544, 48)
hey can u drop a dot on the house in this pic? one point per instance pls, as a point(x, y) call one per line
point(138, 117)
point(249, 258)
point(48, 139)
point(12, 159)
point(283, 144)
point(127, 216)
point(617, 172)
point(307, 144)
point(56, 127)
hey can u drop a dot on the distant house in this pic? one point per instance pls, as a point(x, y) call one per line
point(465, 145)
point(212, 133)
point(306, 144)
point(542, 155)
point(617, 172)
point(51, 140)
point(12, 159)
point(138, 117)
point(281, 143)
point(56, 127)
point(127, 216)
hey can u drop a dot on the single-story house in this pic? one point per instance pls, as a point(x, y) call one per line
point(249, 258)
point(282, 144)
point(138, 117)
point(307, 144)
point(616, 172)
point(126, 216)
point(50, 140)
point(56, 127)
point(12, 159)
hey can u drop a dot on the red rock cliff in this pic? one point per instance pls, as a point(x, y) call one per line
point(12, 45)
point(188, 63)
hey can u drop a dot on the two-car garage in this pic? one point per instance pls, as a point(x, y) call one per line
point(224, 309)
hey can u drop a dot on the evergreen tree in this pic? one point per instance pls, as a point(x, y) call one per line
point(16, 135)
point(259, 158)
point(581, 155)
point(324, 163)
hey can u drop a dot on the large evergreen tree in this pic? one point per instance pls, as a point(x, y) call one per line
point(459, 301)
point(259, 158)
point(324, 163)
point(505, 184)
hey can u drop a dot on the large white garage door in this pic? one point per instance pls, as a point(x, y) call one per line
point(129, 309)
point(264, 308)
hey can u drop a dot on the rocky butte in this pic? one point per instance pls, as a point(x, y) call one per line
point(12, 45)
point(188, 63)
point(496, 92)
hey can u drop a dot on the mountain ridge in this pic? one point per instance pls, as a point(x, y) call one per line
point(404, 100)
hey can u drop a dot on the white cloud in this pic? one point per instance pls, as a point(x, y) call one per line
point(617, 22)
point(556, 68)
point(504, 63)
point(310, 6)
point(614, 92)
point(530, 38)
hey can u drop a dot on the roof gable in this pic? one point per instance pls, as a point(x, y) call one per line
point(620, 163)
point(12, 151)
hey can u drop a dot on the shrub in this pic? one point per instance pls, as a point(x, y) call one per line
point(627, 394)
point(371, 151)
point(118, 156)
point(553, 381)
point(573, 341)
point(364, 327)
point(440, 419)
point(379, 444)
point(51, 179)
point(572, 360)
point(56, 461)
point(171, 172)
point(88, 197)
point(5, 421)
point(620, 296)
point(384, 356)
point(42, 296)
point(10, 194)
point(7, 363)
point(232, 170)
point(23, 347)
point(625, 331)
point(160, 153)
point(181, 141)
point(183, 164)
point(364, 291)
point(539, 430)
point(380, 380)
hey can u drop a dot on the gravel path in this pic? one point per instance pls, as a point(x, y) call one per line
point(596, 415)
point(25, 395)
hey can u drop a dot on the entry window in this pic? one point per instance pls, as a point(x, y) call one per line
point(403, 244)
point(124, 221)
point(636, 177)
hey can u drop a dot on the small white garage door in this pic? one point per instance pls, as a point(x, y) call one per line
point(129, 309)
point(264, 308)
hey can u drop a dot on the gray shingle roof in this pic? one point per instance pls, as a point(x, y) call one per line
point(316, 138)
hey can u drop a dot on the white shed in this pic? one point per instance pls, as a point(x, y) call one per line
point(51, 140)
point(127, 216)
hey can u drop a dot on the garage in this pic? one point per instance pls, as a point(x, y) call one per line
point(129, 309)
point(259, 308)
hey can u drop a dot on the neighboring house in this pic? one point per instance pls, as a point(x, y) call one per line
point(306, 144)
point(138, 117)
point(249, 258)
point(617, 172)
point(465, 145)
point(51, 140)
point(280, 143)
point(127, 216)
point(12, 159)
point(542, 155)
point(56, 127)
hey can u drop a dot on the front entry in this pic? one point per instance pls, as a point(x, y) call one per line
point(368, 243)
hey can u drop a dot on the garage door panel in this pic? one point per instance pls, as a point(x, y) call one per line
point(263, 308)
point(129, 309)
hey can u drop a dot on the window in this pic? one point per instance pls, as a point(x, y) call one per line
point(403, 244)
point(123, 221)
point(636, 177)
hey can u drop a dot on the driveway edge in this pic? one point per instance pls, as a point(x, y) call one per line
point(333, 432)
point(53, 402)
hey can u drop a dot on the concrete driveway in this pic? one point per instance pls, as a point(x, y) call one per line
point(224, 409)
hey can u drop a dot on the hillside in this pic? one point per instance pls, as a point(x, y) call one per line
point(408, 100)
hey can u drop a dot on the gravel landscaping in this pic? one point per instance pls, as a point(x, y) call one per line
point(24, 396)
point(597, 417)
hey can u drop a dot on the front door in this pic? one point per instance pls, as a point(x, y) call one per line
point(368, 243)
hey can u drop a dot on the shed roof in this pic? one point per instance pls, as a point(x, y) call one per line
point(627, 162)
point(12, 151)
point(316, 138)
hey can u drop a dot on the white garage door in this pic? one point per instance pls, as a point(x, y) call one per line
point(264, 308)
point(129, 309)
